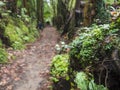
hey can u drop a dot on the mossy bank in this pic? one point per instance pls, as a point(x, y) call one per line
point(14, 33)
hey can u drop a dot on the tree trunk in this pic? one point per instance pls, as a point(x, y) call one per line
point(62, 14)
point(25, 4)
point(40, 11)
point(65, 17)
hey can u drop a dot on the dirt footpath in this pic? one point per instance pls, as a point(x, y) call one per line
point(30, 71)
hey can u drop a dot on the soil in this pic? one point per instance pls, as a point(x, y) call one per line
point(30, 70)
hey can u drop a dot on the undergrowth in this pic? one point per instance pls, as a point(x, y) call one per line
point(91, 51)
point(59, 67)
point(15, 33)
point(86, 82)
point(3, 56)
point(18, 33)
point(94, 42)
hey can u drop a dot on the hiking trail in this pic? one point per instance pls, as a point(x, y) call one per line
point(30, 70)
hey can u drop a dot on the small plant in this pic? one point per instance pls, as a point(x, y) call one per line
point(116, 24)
point(62, 47)
point(59, 67)
point(0, 43)
point(3, 56)
point(87, 83)
point(17, 45)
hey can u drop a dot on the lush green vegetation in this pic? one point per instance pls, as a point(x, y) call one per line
point(3, 56)
point(15, 29)
point(91, 54)
point(90, 44)
point(59, 66)
point(84, 82)
point(90, 48)
point(94, 48)
point(17, 34)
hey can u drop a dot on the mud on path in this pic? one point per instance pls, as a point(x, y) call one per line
point(30, 70)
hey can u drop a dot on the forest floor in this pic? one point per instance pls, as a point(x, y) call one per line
point(30, 70)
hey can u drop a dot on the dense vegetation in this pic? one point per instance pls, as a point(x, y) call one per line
point(94, 51)
point(15, 29)
point(88, 58)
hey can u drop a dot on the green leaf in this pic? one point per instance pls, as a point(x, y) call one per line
point(2, 3)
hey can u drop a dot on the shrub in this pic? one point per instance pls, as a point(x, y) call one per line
point(93, 44)
point(59, 67)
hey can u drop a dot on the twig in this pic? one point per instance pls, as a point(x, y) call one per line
point(108, 61)
point(106, 77)
point(100, 77)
